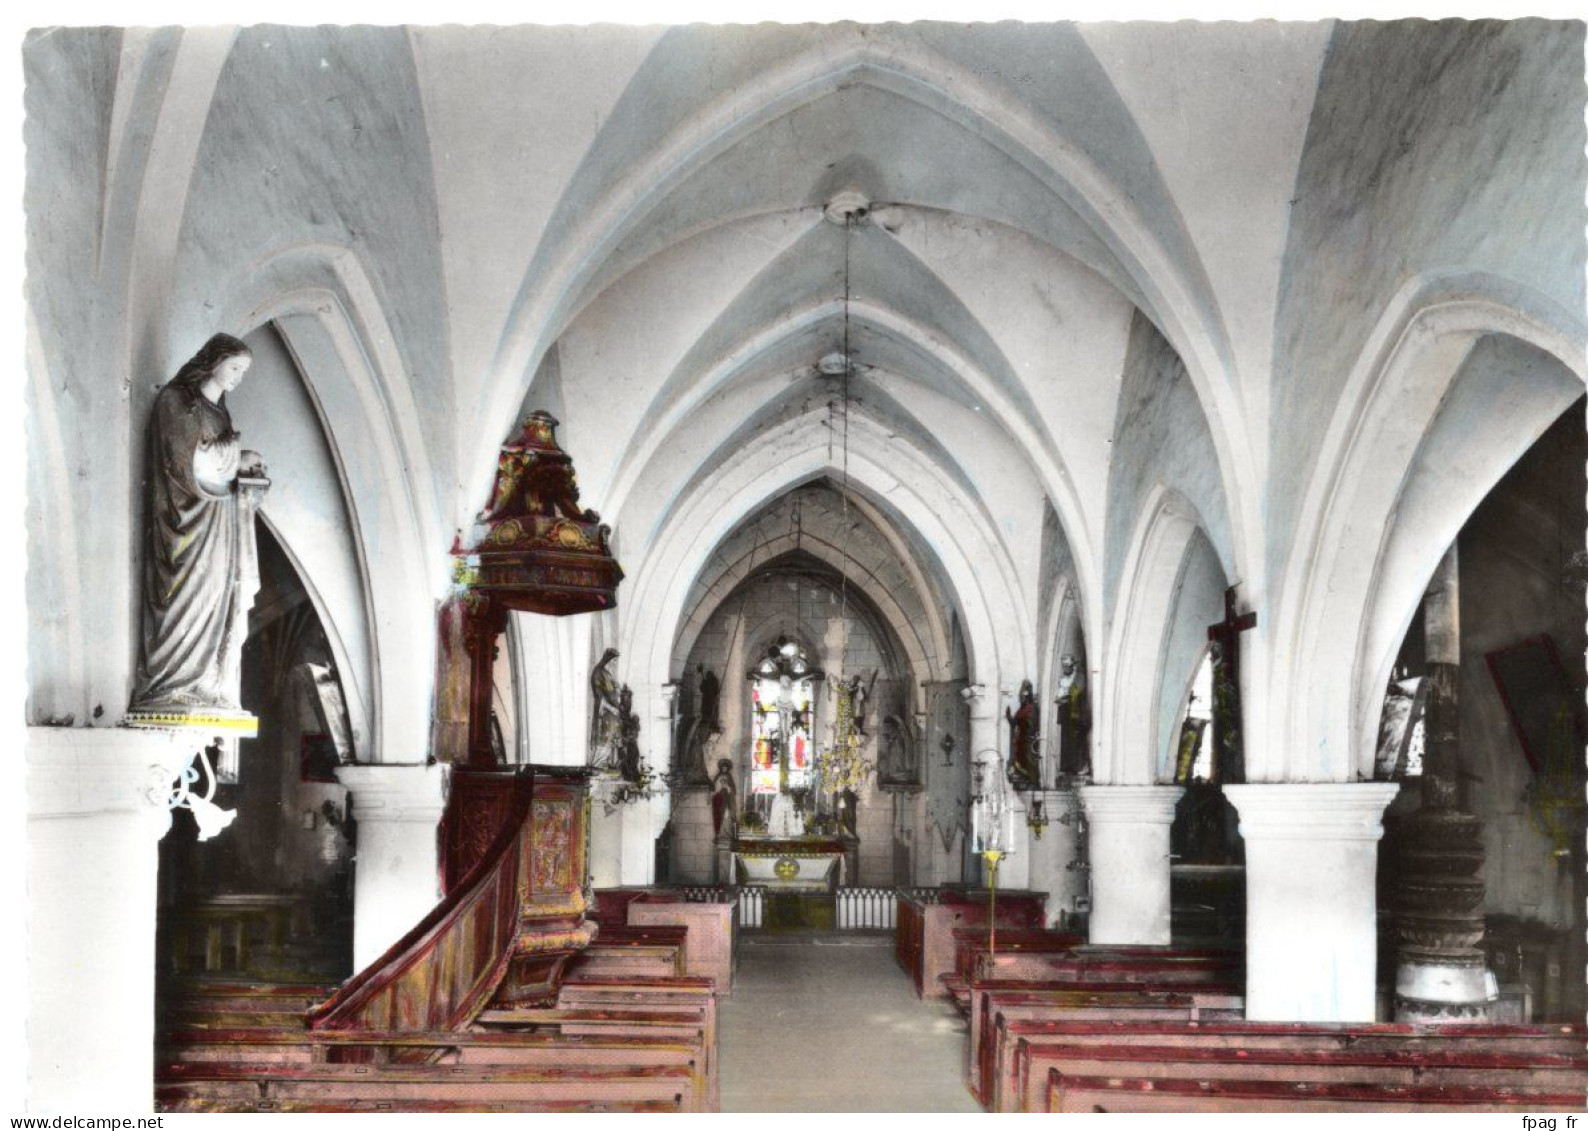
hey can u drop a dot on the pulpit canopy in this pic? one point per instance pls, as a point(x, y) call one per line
point(536, 549)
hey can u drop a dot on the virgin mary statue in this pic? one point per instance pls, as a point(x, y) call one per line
point(200, 570)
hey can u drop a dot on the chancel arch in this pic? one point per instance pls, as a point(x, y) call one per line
point(870, 553)
point(309, 516)
point(697, 525)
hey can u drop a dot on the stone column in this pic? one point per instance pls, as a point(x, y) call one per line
point(606, 841)
point(1128, 847)
point(1441, 973)
point(1055, 851)
point(396, 877)
point(96, 813)
point(1311, 907)
point(638, 821)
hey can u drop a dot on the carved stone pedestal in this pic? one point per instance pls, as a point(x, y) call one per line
point(1440, 971)
point(1441, 974)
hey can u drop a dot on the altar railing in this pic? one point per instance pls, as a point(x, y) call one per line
point(866, 909)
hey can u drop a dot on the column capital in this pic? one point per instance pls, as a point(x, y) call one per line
point(80, 771)
point(396, 792)
point(978, 701)
point(1130, 804)
point(1316, 811)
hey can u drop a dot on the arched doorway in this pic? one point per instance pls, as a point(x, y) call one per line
point(269, 898)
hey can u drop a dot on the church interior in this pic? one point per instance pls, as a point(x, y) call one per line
point(1051, 552)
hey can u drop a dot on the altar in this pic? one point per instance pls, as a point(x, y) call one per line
point(800, 876)
point(797, 863)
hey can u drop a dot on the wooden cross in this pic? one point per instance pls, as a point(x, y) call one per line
point(1227, 635)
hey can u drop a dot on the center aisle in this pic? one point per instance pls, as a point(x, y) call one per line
point(828, 1022)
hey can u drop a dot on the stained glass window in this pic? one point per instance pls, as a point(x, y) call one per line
point(782, 705)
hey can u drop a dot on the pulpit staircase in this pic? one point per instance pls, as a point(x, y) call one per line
point(474, 1010)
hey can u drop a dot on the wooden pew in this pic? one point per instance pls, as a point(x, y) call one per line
point(681, 994)
point(244, 1087)
point(237, 1005)
point(589, 1005)
point(969, 942)
point(1040, 1001)
point(927, 924)
point(624, 952)
point(712, 927)
point(1112, 1094)
point(247, 1045)
point(1286, 1060)
point(1101, 968)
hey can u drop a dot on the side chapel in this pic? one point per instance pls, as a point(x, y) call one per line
point(1088, 519)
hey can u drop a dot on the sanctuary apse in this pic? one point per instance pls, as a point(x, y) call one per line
point(1054, 506)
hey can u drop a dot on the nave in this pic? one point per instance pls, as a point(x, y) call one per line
point(1002, 457)
point(829, 1022)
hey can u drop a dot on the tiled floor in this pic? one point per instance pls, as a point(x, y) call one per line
point(828, 1022)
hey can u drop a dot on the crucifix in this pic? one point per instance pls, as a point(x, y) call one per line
point(1226, 638)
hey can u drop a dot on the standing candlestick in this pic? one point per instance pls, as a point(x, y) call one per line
point(992, 856)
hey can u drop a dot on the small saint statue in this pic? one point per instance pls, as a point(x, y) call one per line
point(606, 717)
point(200, 570)
point(710, 692)
point(724, 802)
point(628, 736)
point(1025, 767)
point(859, 695)
point(1074, 718)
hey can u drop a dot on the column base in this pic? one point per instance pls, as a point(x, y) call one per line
point(1435, 992)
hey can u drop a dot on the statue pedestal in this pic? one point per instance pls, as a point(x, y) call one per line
point(695, 847)
point(204, 725)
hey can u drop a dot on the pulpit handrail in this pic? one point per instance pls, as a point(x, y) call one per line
point(373, 998)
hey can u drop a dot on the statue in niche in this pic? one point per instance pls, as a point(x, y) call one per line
point(696, 749)
point(1074, 719)
point(710, 693)
point(896, 756)
point(724, 802)
point(606, 717)
point(859, 693)
point(200, 566)
point(628, 737)
point(1025, 767)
